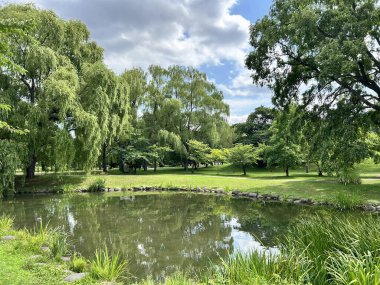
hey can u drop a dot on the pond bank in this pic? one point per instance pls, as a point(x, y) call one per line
point(341, 201)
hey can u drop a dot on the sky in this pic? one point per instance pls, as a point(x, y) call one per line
point(211, 35)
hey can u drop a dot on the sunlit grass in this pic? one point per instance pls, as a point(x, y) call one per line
point(108, 267)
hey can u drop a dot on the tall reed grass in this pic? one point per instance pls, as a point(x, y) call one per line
point(108, 267)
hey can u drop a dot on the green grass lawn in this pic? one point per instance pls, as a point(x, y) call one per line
point(299, 184)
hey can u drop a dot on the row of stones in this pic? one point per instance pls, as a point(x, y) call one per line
point(235, 193)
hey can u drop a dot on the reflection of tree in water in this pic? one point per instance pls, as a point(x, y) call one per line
point(267, 222)
point(157, 233)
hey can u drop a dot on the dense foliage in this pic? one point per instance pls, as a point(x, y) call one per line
point(61, 108)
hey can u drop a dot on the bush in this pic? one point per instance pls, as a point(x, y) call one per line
point(349, 176)
point(78, 263)
point(97, 186)
point(6, 224)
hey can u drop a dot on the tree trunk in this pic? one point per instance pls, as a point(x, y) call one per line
point(307, 168)
point(31, 168)
point(320, 172)
point(104, 158)
point(155, 165)
point(145, 166)
point(287, 171)
point(244, 170)
point(121, 166)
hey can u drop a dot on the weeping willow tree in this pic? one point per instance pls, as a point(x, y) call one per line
point(106, 96)
point(45, 97)
point(183, 102)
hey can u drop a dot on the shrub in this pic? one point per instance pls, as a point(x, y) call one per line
point(78, 263)
point(107, 267)
point(97, 186)
point(6, 224)
point(349, 176)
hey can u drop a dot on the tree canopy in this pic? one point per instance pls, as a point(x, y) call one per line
point(319, 52)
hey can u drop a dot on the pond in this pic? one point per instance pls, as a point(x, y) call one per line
point(160, 233)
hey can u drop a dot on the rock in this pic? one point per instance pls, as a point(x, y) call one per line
point(297, 202)
point(275, 197)
point(8, 238)
point(75, 277)
point(370, 208)
point(253, 195)
point(235, 192)
point(306, 201)
point(34, 257)
point(45, 248)
point(378, 208)
point(66, 258)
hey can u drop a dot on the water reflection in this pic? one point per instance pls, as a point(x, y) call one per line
point(159, 233)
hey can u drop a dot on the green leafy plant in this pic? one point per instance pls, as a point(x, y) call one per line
point(349, 176)
point(107, 267)
point(97, 186)
point(78, 263)
point(6, 224)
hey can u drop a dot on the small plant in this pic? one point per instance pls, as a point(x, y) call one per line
point(107, 267)
point(349, 176)
point(6, 224)
point(59, 243)
point(97, 186)
point(78, 263)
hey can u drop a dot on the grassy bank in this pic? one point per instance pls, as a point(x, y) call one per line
point(40, 257)
point(300, 184)
point(313, 251)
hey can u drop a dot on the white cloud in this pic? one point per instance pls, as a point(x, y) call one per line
point(164, 32)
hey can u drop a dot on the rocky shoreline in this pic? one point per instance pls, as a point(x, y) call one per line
point(219, 191)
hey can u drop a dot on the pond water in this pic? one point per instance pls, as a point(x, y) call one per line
point(160, 233)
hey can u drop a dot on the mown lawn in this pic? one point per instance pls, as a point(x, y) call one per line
point(299, 184)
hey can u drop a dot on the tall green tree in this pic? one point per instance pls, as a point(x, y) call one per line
point(136, 79)
point(283, 149)
point(44, 96)
point(198, 153)
point(243, 156)
point(183, 102)
point(106, 96)
point(255, 130)
point(319, 52)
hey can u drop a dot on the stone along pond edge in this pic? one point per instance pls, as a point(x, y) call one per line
point(255, 196)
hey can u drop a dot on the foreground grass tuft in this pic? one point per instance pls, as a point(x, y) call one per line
point(108, 267)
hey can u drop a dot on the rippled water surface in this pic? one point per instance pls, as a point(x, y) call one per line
point(159, 233)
